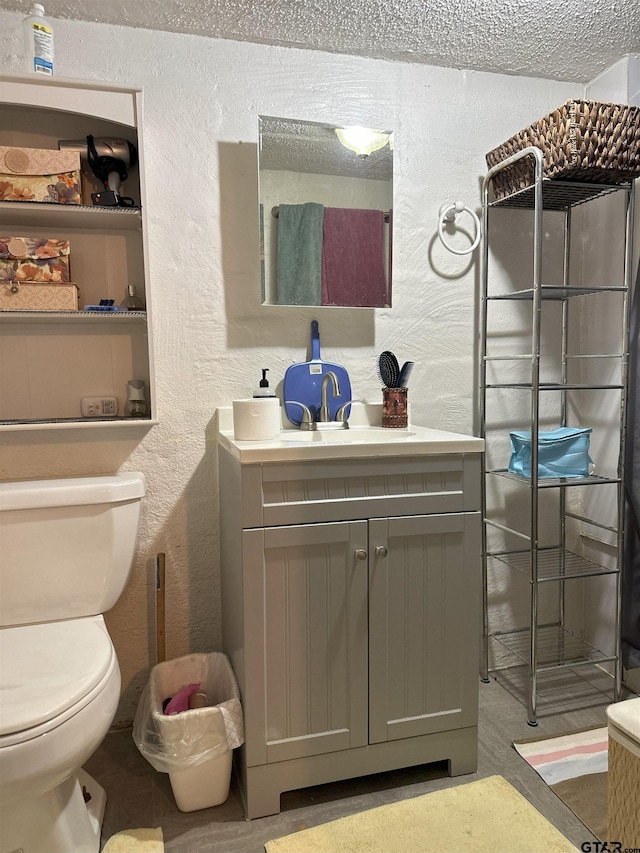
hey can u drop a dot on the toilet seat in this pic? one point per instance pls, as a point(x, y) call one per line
point(49, 672)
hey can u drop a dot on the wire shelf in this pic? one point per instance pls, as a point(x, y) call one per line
point(92, 209)
point(558, 195)
point(556, 386)
point(553, 564)
point(556, 482)
point(43, 215)
point(556, 648)
point(10, 316)
point(121, 419)
point(556, 292)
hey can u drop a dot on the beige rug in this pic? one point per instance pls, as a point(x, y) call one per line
point(487, 816)
point(135, 841)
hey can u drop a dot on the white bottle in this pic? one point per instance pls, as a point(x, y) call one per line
point(263, 389)
point(38, 42)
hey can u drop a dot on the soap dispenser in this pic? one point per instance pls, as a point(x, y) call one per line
point(263, 389)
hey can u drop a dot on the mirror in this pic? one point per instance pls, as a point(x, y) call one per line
point(325, 216)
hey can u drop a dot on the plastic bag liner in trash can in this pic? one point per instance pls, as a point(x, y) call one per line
point(193, 747)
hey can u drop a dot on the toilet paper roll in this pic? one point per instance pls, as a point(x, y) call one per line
point(256, 419)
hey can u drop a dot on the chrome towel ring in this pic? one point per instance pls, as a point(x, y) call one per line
point(448, 213)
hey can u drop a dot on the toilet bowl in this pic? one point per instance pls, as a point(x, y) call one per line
point(59, 679)
point(43, 743)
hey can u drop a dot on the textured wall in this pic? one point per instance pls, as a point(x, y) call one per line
point(603, 260)
point(202, 98)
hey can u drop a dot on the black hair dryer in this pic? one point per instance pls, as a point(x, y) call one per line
point(109, 159)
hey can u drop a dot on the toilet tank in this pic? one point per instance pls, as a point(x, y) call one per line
point(66, 546)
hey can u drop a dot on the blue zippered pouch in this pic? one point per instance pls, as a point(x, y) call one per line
point(562, 452)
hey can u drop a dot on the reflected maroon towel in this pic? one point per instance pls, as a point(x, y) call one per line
point(353, 271)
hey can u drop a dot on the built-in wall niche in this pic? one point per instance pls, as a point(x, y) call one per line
point(326, 215)
point(51, 359)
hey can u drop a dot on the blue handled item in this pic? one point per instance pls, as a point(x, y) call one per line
point(562, 452)
point(303, 383)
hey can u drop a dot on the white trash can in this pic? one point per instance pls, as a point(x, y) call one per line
point(195, 746)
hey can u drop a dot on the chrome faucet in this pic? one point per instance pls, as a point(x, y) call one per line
point(324, 415)
point(307, 422)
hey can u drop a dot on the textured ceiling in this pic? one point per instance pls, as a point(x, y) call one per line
point(556, 39)
point(306, 146)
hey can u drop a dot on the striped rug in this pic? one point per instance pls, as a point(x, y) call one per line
point(574, 766)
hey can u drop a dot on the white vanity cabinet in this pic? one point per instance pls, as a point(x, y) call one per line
point(51, 359)
point(350, 613)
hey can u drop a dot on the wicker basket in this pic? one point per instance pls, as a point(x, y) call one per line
point(581, 141)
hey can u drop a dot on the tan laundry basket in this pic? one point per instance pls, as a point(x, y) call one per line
point(623, 786)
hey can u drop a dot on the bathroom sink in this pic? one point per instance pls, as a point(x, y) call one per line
point(360, 441)
point(359, 435)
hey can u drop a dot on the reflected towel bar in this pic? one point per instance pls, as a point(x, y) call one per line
point(276, 210)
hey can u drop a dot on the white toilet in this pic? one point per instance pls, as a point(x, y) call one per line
point(66, 550)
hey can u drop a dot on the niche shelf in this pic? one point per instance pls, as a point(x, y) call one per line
point(51, 359)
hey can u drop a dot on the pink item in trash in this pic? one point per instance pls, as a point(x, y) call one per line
point(180, 701)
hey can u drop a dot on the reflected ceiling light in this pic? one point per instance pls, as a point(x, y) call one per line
point(362, 140)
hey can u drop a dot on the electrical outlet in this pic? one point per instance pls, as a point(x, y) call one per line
point(99, 407)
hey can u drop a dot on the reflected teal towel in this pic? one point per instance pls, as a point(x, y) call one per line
point(300, 253)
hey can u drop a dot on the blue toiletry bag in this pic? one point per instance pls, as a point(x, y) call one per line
point(562, 452)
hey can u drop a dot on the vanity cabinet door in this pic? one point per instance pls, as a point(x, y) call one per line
point(305, 593)
point(423, 633)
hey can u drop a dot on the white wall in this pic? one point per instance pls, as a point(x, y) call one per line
point(202, 99)
point(619, 84)
point(605, 226)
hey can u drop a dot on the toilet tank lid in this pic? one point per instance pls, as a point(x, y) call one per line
point(74, 491)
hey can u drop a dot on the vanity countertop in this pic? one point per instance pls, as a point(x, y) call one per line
point(359, 442)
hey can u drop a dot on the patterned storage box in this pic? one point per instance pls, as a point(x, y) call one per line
point(32, 296)
point(581, 141)
point(39, 174)
point(34, 259)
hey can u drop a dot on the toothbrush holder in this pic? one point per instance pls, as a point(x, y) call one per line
point(394, 408)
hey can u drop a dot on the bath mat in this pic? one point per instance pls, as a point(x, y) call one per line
point(478, 817)
point(574, 765)
point(135, 841)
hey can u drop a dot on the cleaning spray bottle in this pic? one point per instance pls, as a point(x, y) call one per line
point(263, 389)
point(38, 42)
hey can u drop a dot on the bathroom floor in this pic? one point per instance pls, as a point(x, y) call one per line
point(138, 796)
